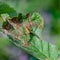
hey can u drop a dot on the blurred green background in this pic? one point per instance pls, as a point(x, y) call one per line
point(50, 11)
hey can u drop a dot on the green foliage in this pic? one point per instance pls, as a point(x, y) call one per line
point(37, 47)
point(5, 8)
point(3, 42)
point(3, 55)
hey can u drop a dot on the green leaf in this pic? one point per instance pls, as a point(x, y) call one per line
point(5, 8)
point(37, 47)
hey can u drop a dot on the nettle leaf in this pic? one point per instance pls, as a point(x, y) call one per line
point(27, 35)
